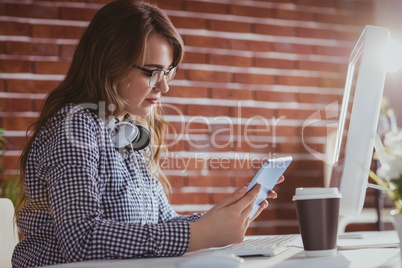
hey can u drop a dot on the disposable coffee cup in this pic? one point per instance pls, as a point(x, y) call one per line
point(318, 212)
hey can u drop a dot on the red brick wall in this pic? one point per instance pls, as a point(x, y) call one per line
point(253, 72)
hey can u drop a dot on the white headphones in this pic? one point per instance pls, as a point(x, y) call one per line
point(138, 136)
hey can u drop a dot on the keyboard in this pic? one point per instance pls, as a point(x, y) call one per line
point(266, 246)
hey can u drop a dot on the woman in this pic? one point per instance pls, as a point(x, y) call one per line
point(90, 193)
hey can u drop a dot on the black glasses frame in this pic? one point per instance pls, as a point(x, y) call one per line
point(151, 73)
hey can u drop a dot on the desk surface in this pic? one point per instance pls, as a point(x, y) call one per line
point(292, 257)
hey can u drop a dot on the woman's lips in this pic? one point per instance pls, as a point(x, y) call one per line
point(152, 101)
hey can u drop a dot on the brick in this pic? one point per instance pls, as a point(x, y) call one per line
point(15, 143)
point(14, 28)
point(182, 163)
point(2, 9)
point(209, 181)
point(287, 14)
point(80, 14)
point(319, 98)
point(319, 3)
point(31, 86)
point(2, 46)
point(91, 1)
point(2, 85)
point(243, 179)
point(335, 18)
point(275, 63)
point(298, 148)
point(204, 41)
point(56, 31)
point(173, 109)
point(195, 57)
point(332, 82)
point(250, 45)
point(252, 113)
point(209, 145)
point(233, 94)
point(298, 80)
point(51, 67)
point(32, 11)
point(287, 131)
point(176, 181)
point(211, 110)
point(314, 131)
point(22, 123)
point(331, 51)
point(317, 33)
point(275, 96)
point(207, 7)
point(188, 22)
point(294, 179)
point(67, 51)
point(293, 48)
point(268, 29)
point(189, 198)
point(293, 113)
point(188, 92)
point(15, 66)
point(31, 48)
point(252, 11)
point(192, 127)
point(169, 4)
point(322, 66)
point(10, 162)
point(230, 60)
point(205, 75)
point(351, 35)
point(174, 145)
point(37, 105)
point(253, 146)
point(251, 78)
point(229, 26)
point(15, 105)
point(218, 197)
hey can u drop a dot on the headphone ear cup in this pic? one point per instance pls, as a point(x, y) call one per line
point(127, 134)
point(143, 139)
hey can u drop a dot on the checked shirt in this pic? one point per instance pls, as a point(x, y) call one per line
point(86, 199)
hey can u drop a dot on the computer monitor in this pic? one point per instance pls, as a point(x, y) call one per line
point(358, 119)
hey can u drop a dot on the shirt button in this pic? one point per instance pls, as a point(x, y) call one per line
point(137, 190)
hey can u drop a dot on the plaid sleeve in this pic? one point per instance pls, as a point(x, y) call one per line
point(75, 192)
point(168, 214)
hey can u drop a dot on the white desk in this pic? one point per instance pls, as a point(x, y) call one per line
point(292, 257)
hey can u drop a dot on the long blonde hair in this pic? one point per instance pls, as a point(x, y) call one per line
point(115, 39)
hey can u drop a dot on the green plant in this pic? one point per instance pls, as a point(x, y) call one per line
point(8, 186)
point(389, 175)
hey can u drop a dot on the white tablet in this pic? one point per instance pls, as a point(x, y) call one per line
point(267, 176)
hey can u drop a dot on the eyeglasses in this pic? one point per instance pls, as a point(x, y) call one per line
point(157, 75)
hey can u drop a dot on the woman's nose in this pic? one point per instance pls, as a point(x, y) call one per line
point(163, 86)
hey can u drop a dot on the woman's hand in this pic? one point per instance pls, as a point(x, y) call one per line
point(272, 194)
point(227, 222)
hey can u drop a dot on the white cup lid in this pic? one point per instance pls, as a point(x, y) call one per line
point(316, 193)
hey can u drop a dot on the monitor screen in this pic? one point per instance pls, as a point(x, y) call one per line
point(358, 119)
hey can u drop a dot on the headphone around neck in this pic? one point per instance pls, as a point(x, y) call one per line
point(125, 133)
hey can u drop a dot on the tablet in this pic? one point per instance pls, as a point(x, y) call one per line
point(267, 176)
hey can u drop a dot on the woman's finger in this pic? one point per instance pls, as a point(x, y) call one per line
point(281, 179)
point(272, 194)
point(248, 198)
point(263, 206)
point(233, 198)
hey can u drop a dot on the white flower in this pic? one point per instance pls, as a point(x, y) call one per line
point(391, 167)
